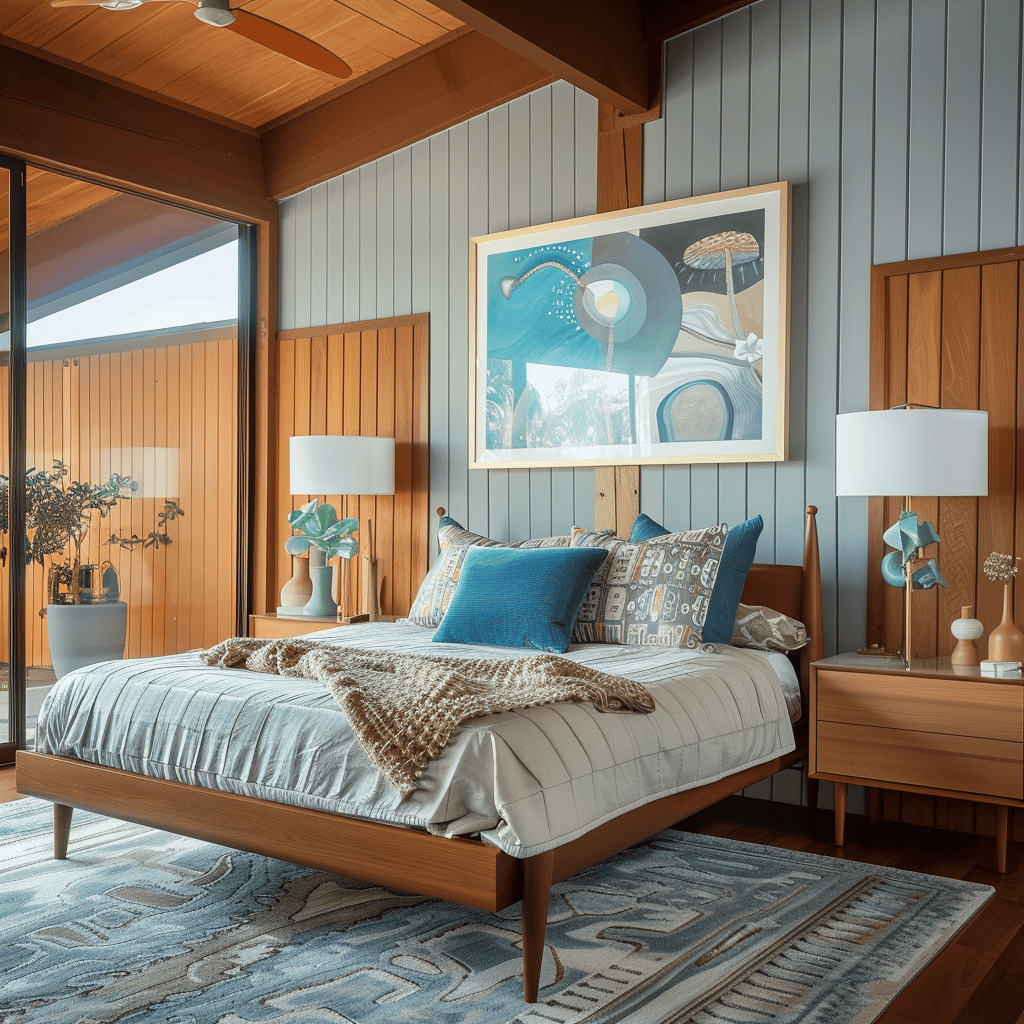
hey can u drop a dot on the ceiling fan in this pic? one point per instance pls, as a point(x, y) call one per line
point(267, 33)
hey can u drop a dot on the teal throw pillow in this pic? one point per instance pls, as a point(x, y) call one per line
point(519, 597)
point(438, 586)
point(645, 528)
point(737, 558)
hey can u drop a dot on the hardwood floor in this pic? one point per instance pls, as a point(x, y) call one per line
point(977, 979)
point(7, 785)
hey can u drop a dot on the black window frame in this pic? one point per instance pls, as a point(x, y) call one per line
point(17, 359)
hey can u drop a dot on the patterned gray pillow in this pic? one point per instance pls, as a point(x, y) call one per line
point(650, 592)
point(438, 586)
point(767, 629)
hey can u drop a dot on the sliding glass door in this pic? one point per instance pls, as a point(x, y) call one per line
point(12, 421)
point(6, 692)
point(133, 402)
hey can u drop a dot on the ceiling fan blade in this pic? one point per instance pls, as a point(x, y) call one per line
point(291, 44)
point(102, 3)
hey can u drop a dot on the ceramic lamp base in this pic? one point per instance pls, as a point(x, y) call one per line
point(321, 602)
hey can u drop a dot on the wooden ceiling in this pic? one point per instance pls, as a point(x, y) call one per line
point(151, 98)
point(161, 48)
point(51, 199)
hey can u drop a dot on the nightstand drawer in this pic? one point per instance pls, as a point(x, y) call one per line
point(272, 627)
point(986, 710)
point(966, 764)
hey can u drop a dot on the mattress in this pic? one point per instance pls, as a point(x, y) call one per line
point(526, 781)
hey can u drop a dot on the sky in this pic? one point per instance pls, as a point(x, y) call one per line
point(201, 290)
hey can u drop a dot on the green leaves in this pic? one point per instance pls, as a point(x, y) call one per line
point(60, 513)
point(319, 526)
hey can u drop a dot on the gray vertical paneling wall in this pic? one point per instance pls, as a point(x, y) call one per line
point(392, 237)
point(898, 124)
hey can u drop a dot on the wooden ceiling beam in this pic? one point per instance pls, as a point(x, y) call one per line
point(663, 19)
point(445, 87)
point(596, 45)
point(59, 118)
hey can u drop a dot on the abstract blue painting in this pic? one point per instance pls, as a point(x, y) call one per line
point(656, 334)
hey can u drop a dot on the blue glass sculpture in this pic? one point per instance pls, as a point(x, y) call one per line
point(909, 539)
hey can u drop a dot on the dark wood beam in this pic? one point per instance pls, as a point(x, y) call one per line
point(59, 118)
point(596, 45)
point(445, 87)
point(663, 19)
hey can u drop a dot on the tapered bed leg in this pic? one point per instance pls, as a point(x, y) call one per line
point(61, 830)
point(1001, 832)
point(536, 894)
point(812, 793)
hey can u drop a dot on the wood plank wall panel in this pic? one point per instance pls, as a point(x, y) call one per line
point(949, 333)
point(370, 378)
point(182, 397)
point(870, 110)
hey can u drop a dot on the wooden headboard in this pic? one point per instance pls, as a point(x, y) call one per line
point(948, 332)
point(794, 590)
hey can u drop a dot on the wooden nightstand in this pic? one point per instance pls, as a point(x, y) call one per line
point(931, 730)
point(271, 626)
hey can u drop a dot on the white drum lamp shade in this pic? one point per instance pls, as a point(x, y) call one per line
point(342, 464)
point(922, 452)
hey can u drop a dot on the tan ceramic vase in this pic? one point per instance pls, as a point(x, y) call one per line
point(966, 630)
point(1006, 641)
point(296, 592)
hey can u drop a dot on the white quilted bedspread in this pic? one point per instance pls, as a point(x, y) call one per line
point(527, 781)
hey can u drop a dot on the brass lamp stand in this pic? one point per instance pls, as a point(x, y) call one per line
point(908, 596)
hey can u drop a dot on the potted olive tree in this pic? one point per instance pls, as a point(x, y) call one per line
point(87, 621)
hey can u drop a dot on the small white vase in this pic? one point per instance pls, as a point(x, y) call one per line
point(966, 630)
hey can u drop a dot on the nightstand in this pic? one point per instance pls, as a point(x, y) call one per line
point(271, 626)
point(933, 729)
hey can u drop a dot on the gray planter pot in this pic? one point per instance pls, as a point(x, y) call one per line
point(84, 634)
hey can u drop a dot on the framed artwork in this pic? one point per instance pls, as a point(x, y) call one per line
point(657, 334)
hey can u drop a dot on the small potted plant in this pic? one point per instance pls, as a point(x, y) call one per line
point(87, 622)
point(324, 536)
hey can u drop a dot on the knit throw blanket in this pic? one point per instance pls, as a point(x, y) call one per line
point(404, 708)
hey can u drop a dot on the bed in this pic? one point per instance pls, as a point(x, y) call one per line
point(486, 870)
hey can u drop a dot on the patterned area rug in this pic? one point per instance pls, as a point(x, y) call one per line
point(139, 925)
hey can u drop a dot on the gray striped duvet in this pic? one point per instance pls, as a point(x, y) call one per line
point(526, 781)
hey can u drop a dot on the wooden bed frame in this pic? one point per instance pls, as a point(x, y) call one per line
point(464, 871)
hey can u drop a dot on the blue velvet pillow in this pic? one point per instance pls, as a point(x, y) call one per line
point(737, 558)
point(645, 528)
point(519, 597)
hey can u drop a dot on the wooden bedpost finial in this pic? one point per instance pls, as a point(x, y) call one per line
point(440, 511)
point(813, 614)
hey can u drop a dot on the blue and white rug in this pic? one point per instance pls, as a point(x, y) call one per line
point(139, 925)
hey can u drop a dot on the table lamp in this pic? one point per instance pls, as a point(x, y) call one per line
point(345, 465)
point(911, 450)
